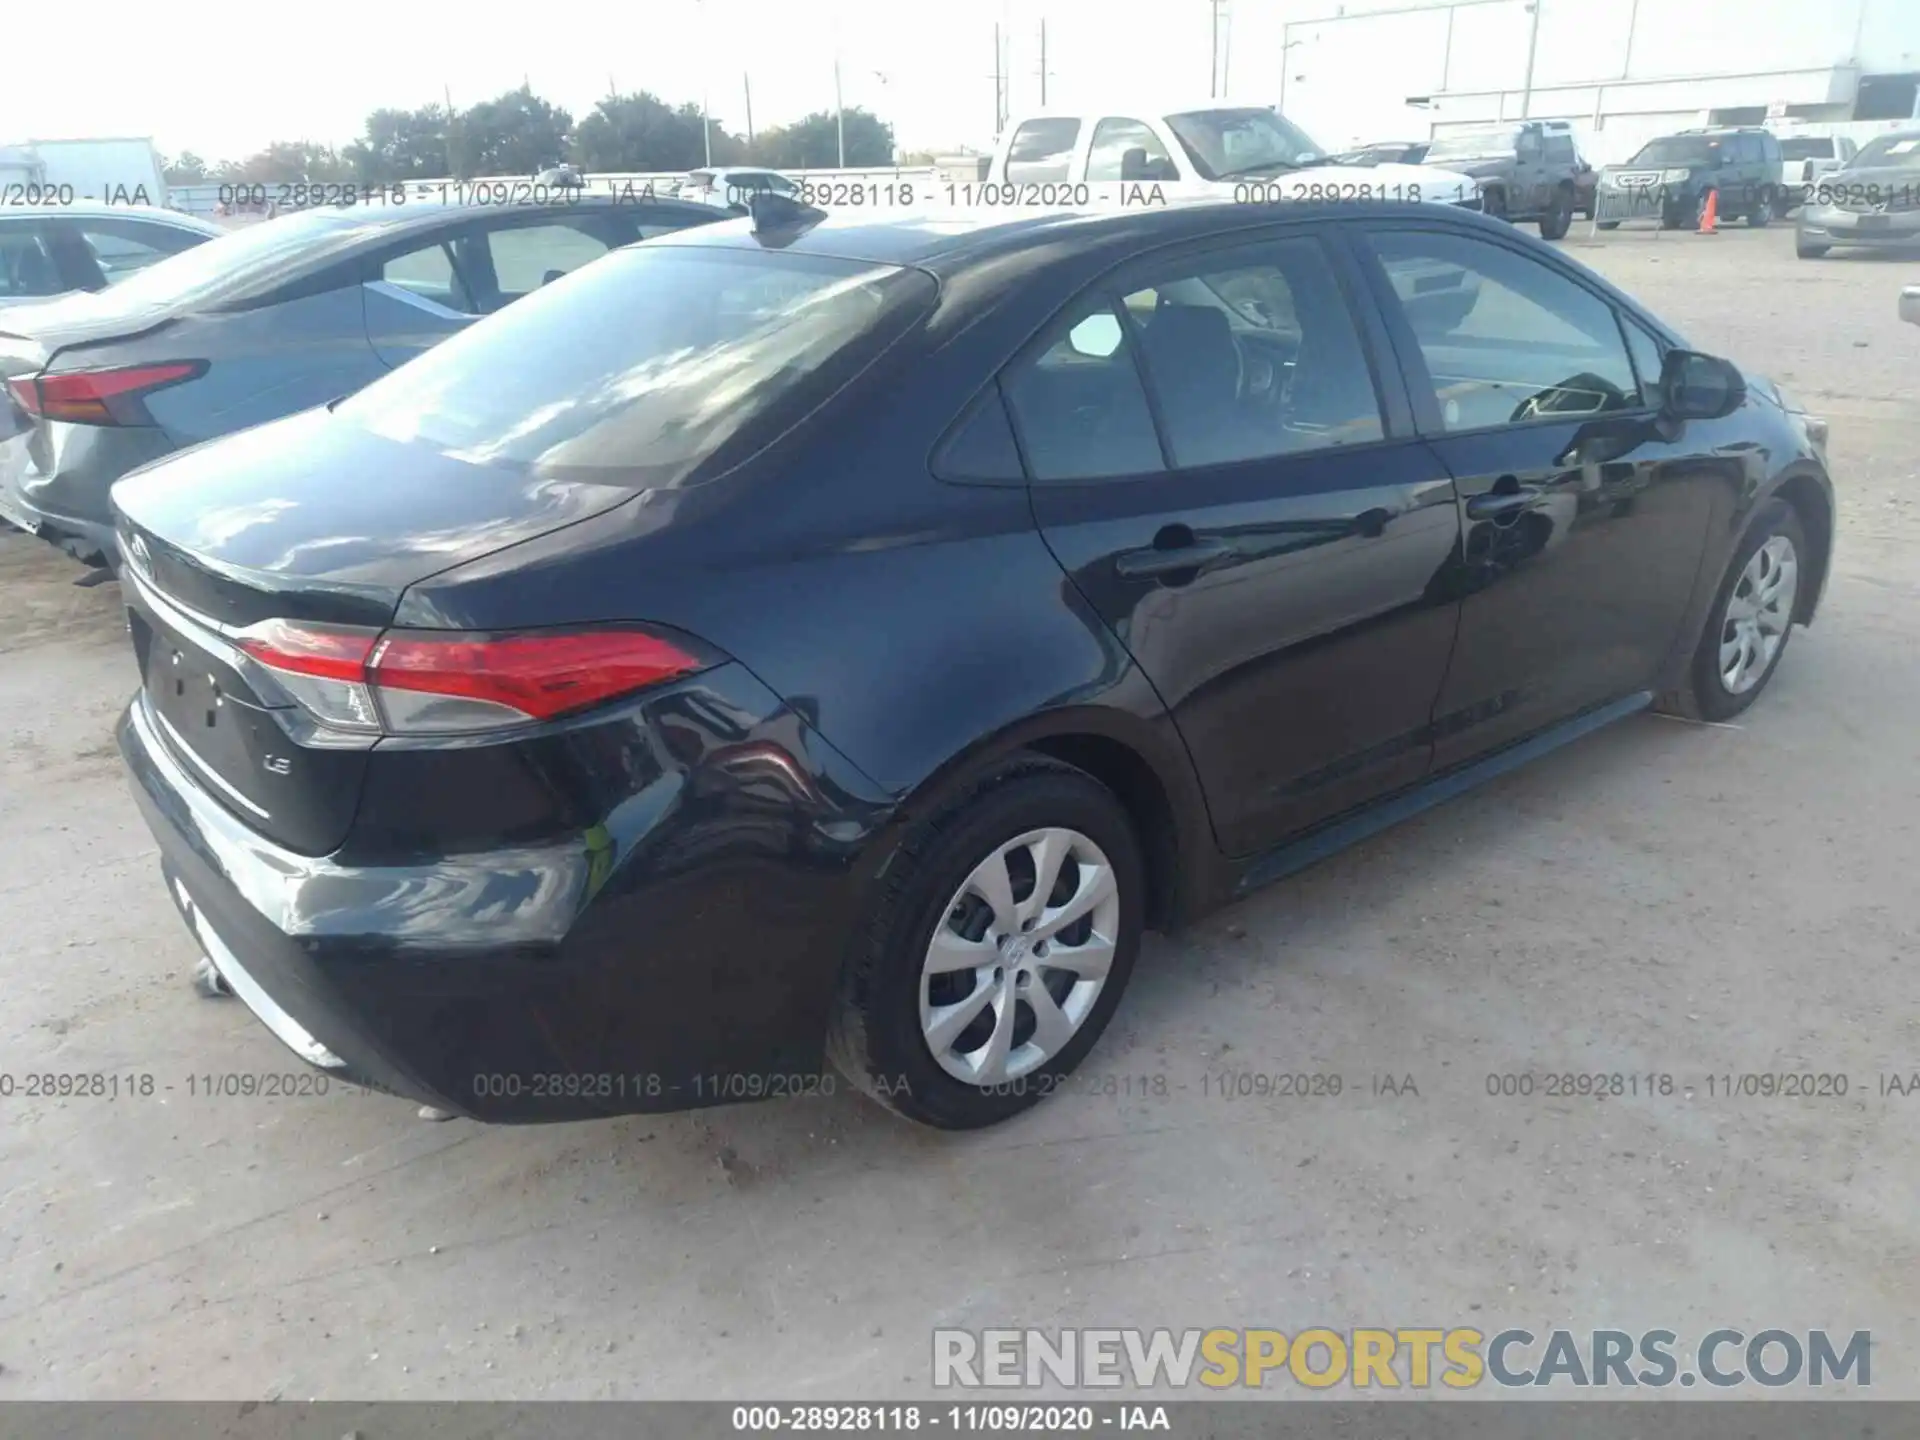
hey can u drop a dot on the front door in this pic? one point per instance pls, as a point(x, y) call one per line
point(1213, 466)
point(1584, 512)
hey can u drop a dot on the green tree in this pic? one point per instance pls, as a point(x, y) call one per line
point(813, 142)
point(285, 161)
point(403, 145)
point(517, 133)
point(187, 168)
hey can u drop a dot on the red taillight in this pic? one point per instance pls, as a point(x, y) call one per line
point(100, 397)
point(541, 676)
point(425, 681)
point(295, 649)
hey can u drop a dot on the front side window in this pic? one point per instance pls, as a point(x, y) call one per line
point(1506, 339)
point(428, 271)
point(1128, 150)
point(657, 366)
point(1648, 357)
point(1253, 355)
point(1041, 149)
point(1078, 404)
point(525, 257)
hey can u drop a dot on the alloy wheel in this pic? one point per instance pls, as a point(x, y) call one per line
point(1758, 613)
point(1019, 957)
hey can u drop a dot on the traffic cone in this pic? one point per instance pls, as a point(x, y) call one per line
point(1711, 215)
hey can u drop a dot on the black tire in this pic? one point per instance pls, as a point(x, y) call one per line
point(1559, 217)
point(1809, 252)
point(875, 1037)
point(1609, 224)
point(1705, 695)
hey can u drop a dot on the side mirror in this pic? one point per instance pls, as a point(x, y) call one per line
point(1694, 386)
point(1910, 304)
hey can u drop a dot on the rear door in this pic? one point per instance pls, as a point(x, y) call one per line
point(1217, 464)
point(1585, 514)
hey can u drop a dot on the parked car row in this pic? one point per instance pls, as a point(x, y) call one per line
point(1533, 172)
point(604, 676)
point(260, 323)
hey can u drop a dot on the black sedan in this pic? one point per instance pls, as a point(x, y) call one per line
point(802, 638)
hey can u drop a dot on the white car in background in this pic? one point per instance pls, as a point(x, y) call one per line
point(730, 186)
point(1232, 152)
point(1805, 159)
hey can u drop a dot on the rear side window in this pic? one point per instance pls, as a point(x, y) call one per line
point(656, 366)
point(120, 247)
point(25, 266)
point(1560, 148)
point(245, 261)
point(1078, 403)
point(1041, 150)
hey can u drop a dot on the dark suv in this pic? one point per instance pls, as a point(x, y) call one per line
point(1527, 172)
point(1671, 178)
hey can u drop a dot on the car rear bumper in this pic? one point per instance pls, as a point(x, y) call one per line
point(681, 953)
point(1825, 225)
point(56, 482)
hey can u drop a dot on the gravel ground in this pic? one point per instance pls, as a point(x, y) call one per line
point(1661, 898)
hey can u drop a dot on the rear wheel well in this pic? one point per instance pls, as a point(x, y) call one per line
point(1132, 780)
point(1816, 518)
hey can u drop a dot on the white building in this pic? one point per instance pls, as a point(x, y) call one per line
point(1622, 71)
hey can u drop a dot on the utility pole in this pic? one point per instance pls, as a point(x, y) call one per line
point(1213, 55)
point(999, 86)
point(747, 82)
point(1043, 62)
point(839, 112)
point(1533, 41)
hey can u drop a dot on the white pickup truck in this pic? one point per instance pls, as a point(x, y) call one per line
point(1098, 158)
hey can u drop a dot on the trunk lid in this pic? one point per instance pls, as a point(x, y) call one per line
point(307, 518)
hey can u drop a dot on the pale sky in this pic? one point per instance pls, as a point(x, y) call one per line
point(224, 78)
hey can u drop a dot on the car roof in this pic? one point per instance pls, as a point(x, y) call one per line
point(949, 241)
point(428, 210)
point(1133, 107)
point(93, 209)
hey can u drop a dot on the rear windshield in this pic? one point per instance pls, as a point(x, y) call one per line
point(1808, 149)
point(650, 365)
point(238, 262)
